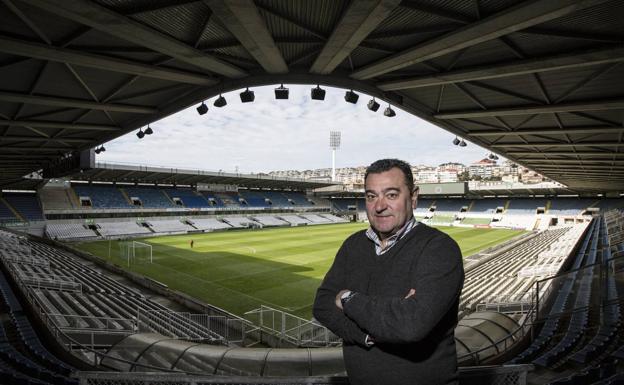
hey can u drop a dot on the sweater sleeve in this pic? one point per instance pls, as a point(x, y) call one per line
point(437, 281)
point(325, 309)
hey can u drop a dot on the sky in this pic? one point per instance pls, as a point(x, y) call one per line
point(270, 135)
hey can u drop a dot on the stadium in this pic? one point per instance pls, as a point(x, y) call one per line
point(125, 274)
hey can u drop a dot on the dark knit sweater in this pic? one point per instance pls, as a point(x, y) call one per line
point(414, 340)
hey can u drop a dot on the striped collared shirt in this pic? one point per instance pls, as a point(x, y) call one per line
point(393, 239)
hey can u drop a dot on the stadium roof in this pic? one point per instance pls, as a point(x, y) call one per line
point(538, 81)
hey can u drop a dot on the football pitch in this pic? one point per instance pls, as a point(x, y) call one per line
point(240, 270)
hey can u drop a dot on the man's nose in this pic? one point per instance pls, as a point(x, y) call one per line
point(380, 204)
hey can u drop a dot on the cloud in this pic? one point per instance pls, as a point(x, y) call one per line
point(274, 134)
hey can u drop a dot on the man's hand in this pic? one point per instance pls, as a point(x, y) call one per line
point(338, 296)
point(411, 293)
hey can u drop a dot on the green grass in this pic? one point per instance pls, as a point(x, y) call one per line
point(280, 267)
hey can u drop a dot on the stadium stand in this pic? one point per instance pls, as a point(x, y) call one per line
point(101, 196)
point(56, 198)
point(451, 206)
point(294, 220)
point(316, 219)
point(229, 199)
point(26, 204)
point(238, 222)
point(77, 300)
point(299, 199)
point(209, 224)
point(569, 206)
point(254, 198)
point(268, 220)
point(169, 226)
point(508, 277)
point(5, 213)
point(65, 231)
point(23, 358)
point(148, 197)
point(187, 198)
point(121, 229)
point(213, 200)
point(277, 199)
point(334, 218)
point(487, 205)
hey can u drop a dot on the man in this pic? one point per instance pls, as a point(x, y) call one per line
point(392, 292)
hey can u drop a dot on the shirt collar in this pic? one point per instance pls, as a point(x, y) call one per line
point(393, 239)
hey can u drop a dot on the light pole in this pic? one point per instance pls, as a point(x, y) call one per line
point(334, 143)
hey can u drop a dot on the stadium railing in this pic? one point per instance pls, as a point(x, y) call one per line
point(495, 375)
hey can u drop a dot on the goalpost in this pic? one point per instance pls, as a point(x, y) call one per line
point(136, 252)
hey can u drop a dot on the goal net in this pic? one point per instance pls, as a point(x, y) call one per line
point(135, 252)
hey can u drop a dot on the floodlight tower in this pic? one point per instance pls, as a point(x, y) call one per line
point(334, 143)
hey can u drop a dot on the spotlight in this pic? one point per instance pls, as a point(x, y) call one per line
point(493, 156)
point(148, 130)
point(102, 149)
point(247, 96)
point(456, 141)
point(140, 134)
point(202, 109)
point(97, 150)
point(351, 97)
point(220, 102)
point(318, 93)
point(389, 112)
point(281, 92)
point(462, 143)
point(373, 105)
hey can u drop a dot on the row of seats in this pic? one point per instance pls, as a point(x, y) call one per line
point(124, 197)
point(516, 206)
point(26, 205)
point(90, 300)
point(119, 228)
point(582, 332)
point(25, 360)
point(503, 279)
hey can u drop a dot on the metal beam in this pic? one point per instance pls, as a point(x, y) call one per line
point(68, 56)
point(549, 166)
point(565, 153)
point(519, 67)
point(102, 19)
point(359, 20)
point(549, 144)
point(593, 105)
point(74, 103)
point(42, 139)
point(572, 161)
point(11, 148)
point(241, 17)
point(523, 15)
point(61, 125)
point(549, 131)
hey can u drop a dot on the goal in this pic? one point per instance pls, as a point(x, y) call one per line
point(136, 252)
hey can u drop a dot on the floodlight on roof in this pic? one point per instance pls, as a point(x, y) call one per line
point(102, 149)
point(281, 92)
point(317, 93)
point(351, 97)
point(140, 134)
point(456, 141)
point(462, 143)
point(97, 150)
point(202, 109)
point(247, 96)
point(389, 112)
point(148, 130)
point(220, 102)
point(373, 105)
